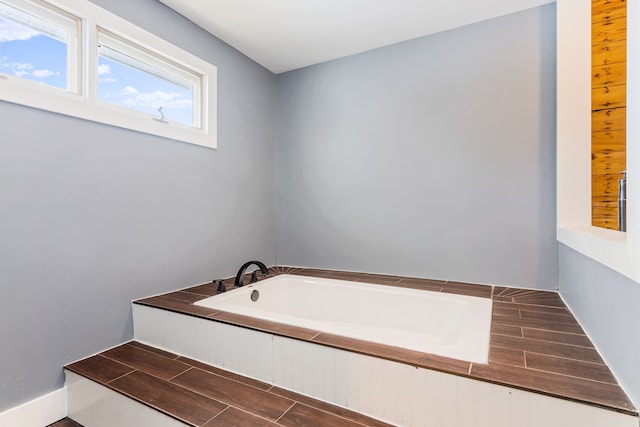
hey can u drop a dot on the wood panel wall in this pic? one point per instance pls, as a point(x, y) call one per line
point(608, 108)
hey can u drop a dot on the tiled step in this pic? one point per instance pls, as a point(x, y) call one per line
point(197, 394)
point(66, 422)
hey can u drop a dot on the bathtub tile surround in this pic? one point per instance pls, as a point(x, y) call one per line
point(536, 343)
point(202, 395)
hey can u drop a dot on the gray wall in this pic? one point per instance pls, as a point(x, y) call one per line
point(431, 158)
point(93, 216)
point(606, 304)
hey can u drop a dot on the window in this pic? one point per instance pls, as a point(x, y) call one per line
point(114, 73)
point(132, 78)
point(38, 43)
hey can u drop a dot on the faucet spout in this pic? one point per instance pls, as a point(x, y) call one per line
point(239, 277)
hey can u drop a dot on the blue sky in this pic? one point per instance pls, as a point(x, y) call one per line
point(131, 88)
point(29, 54)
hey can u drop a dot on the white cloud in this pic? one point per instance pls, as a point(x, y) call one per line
point(25, 69)
point(107, 80)
point(18, 69)
point(178, 103)
point(14, 65)
point(10, 31)
point(43, 73)
point(158, 99)
point(129, 90)
point(104, 69)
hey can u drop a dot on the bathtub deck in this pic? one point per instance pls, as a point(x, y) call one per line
point(536, 343)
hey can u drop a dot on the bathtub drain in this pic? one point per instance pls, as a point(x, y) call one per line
point(255, 295)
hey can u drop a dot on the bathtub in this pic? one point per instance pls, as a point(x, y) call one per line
point(454, 326)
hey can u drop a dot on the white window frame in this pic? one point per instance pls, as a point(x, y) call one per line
point(83, 101)
point(48, 17)
point(122, 51)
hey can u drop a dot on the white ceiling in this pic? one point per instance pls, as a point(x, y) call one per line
point(284, 35)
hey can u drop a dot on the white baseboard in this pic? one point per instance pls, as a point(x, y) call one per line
point(39, 412)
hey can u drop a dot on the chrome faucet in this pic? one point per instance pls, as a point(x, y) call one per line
point(239, 276)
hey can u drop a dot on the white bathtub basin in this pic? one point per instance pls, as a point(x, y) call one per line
point(455, 326)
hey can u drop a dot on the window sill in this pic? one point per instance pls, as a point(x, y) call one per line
point(608, 247)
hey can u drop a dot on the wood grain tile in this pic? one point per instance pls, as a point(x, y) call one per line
point(233, 393)
point(142, 346)
point(555, 317)
point(280, 269)
point(232, 417)
point(346, 275)
point(327, 407)
point(549, 348)
point(558, 337)
point(533, 323)
point(171, 399)
point(187, 297)
point(556, 385)
point(379, 279)
point(498, 290)
point(513, 292)
point(99, 368)
point(206, 289)
point(311, 272)
point(483, 291)
point(146, 361)
point(227, 374)
point(426, 284)
point(502, 299)
point(551, 299)
point(506, 356)
point(65, 422)
point(529, 307)
point(570, 367)
point(176, 306)
point(394, 353)
point(265, 325)
point(302, 415)
point(505, 312)
point(513, 331)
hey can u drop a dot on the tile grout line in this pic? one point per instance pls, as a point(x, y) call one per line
point(232, 379)
point(546, 341)
point(215, 416)
point(176, 356)
point(121, 376)
point(134, 369)
point(284, 413)
point(170, 380)
point(573, 376)
point(566, 358)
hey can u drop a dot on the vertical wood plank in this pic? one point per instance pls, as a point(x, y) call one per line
point(608, 108)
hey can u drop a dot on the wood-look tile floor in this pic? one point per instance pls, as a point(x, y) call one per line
point(203, 395)
point(536, 343)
